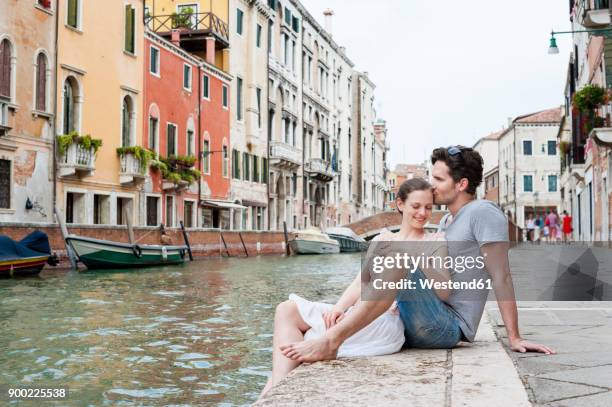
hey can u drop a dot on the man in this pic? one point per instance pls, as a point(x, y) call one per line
point(483, 229)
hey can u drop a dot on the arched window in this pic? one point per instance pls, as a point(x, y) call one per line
point(70, 92)
point(5, 68)
point(225, 160)
point(126, 122)
point(41, 82)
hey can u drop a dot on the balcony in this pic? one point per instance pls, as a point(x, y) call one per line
point(194, 29)
point(380, 183)
point(320, 169)
point(602, 135)
point(284, 155)
point(132, 169)
point(77, 160)
point(596, 13)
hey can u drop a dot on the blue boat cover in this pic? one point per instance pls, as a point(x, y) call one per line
point(33, 245)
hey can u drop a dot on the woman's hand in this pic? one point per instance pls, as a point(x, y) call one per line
point(332, 317)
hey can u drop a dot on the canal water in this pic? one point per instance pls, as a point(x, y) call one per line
point(197, 334)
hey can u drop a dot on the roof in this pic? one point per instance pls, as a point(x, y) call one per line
point(545, 116)
point(405, 169)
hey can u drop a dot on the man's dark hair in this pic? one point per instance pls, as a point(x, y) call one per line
point(462, 162)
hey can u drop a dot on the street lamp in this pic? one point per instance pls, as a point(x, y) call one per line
point(553, 49)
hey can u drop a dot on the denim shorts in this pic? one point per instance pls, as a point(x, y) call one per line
point(428, 321)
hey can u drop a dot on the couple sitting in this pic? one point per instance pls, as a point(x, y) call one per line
point(420, 317)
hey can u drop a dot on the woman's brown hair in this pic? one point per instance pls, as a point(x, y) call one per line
point(411, 185)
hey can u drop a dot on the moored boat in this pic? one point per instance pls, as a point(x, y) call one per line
point(312, 241)
point(349, 240)
point(105, 254)
point(25, 257)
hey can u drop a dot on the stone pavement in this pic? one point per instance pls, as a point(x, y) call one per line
point(480, 374)
point(580, 374)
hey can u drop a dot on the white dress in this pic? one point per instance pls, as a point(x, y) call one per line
point(385, 335)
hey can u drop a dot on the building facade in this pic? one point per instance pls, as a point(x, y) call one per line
point(586, 136)
point(27, 106)
point(529, 166)
point(488, 147)
point(99, 109)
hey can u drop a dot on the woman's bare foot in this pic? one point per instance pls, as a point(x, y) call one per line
point(310, 351)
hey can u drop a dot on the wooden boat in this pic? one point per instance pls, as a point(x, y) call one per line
point(25, 257)
point(105, 254)
point(312, 241)
point(349, 240)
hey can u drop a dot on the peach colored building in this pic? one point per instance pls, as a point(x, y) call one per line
point(27, 64)
point(99, 100)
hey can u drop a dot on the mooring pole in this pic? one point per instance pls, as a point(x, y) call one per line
point(64, 230)
point(243, 245)
point(186, 238)
point(224, 244)
point(287, 249)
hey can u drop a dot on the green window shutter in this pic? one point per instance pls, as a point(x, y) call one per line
point(73, 8)
point(206, 87)
point(129, 28)
point(239, 15)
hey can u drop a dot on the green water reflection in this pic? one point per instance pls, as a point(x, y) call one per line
point(194, 334)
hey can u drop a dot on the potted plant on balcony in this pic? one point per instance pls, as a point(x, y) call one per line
point(183, 19)
point(587, 101)
point(87, 142)
point(143, 155)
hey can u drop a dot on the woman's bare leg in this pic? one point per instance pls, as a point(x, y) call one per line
point(289, 327)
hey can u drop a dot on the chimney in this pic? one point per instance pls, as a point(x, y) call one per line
point(328, 20)
point(509, 122)
point(175, 37)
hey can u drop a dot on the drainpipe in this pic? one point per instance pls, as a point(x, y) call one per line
point(200, 135)
point(54, 126)
point(268, 118)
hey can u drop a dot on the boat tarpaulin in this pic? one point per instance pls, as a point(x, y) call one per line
point(35, 244)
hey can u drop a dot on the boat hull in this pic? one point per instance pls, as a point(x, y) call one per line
point(349, 245)
point(313, 247)
point(104, 254)
point(22, 267)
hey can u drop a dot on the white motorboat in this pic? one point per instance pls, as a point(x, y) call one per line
point(349, 240)
point(312, 241)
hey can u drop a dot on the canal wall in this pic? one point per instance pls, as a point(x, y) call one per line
point(204, 242)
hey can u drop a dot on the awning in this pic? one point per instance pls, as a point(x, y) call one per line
point(222, 204)
point(254, 203)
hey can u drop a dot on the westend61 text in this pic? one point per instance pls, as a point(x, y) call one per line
point(406, 284)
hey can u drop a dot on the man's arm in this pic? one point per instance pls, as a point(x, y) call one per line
point(498, 266)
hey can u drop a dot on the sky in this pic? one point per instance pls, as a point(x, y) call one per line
point(450, 72)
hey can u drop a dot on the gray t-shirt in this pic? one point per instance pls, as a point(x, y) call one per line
point(475, 224)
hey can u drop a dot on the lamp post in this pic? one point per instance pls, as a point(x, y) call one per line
point(553, 49)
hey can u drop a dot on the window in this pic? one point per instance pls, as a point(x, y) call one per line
point(154, 62)
point(41, 82)
point(68, 106)
point(188, 214)
point(552, 147)
point(258, 94)
point(258, 36)
point(72, 18)
point(206, 157)
point(190, 142)
point(246, 166)
point(152, 211)
point(239, 99)
point(187, 77)
point(287, 16)
point(206, 87)
point(296, 24)
point(552, 183)
point(255, 169)
point(169, 211)
point(225, 161)
point(171, 140)
point(264, 170)
point(527, 147)
point(153, 127)
point(5, 184)
point(527, 183)
point(101, 209)
point(126, 122)
point(225, 101)
point(239, 19)
point(5, 68)
point(236, 164)
point(130, 26)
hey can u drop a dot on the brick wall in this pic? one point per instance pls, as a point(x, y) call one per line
point(204, 242)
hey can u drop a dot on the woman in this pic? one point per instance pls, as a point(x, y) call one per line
point(298, 319)
point(567, 227)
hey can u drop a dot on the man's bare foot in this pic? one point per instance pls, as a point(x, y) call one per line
point(310, 351)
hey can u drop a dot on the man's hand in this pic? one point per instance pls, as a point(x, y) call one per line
point(522, 346)
point(332, 317)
